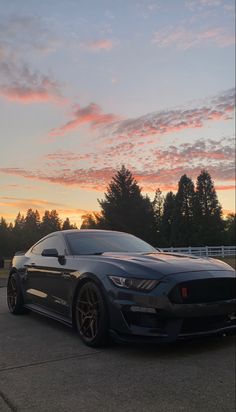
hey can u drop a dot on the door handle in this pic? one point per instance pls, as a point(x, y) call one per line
point(32, 264)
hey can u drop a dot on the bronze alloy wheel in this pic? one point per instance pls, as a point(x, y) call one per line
point(91, 317)
point(14, 295)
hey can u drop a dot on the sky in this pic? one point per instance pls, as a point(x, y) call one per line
point(87, 86)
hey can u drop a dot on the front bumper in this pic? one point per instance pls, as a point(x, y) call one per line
point(153, 317)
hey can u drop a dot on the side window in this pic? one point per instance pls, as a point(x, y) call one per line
point(51, 242)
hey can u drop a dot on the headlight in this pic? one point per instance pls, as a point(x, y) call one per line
point(134, 283)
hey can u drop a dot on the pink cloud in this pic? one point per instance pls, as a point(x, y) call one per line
point(171, 121)
point(23, 85)
point(98, 178)
point(202, 152)
point(91, 114)
point(24, 94)
point(97, 45)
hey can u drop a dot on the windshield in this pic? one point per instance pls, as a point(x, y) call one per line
point(98, 243)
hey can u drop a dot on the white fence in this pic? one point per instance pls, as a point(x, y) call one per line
point(204, 251)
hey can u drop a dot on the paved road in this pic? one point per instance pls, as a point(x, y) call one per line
point(45, 367)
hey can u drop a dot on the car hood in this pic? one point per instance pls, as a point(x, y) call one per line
point(163, 263)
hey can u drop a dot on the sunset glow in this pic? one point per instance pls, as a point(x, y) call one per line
point(85, 89)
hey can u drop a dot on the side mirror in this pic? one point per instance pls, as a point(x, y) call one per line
point(50, 253)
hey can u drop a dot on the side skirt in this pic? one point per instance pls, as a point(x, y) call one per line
point(49, 314)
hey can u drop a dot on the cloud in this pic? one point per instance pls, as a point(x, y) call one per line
point(26, 203)
point(25, 36)
point(97, 45)
point(203, 151)
point(21, 84)
point(184, 39)
point(91, 114)
point(169, 121)
point(113, 128)
point(194, 5)
point(98, 178)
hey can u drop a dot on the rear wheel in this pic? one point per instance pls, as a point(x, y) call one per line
point(91, 315)
point(14, 295)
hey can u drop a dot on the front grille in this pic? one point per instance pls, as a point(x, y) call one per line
point(204, 291)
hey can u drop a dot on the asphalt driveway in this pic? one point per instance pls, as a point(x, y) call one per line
point(45, 367)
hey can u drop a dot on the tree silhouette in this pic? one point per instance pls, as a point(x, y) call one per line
point(157, 204)
point(183, 221)
point(230, 229)
point(67, 225)
point(208, 211)
point(4, 238)
point(90, 221)
point(50, 222)
point(187, 218)
point(125, 209)
point(31, 228)
point(168, 219)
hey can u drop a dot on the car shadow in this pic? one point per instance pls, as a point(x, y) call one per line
point(149, 350)
point(178, 349)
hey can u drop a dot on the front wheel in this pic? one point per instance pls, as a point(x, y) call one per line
point(14, 295)
point(91, 315)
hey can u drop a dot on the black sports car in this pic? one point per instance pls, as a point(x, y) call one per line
point(108, 283)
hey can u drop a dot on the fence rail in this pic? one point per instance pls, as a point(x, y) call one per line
point(203, 251)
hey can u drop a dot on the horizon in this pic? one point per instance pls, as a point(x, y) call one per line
point(87, 87)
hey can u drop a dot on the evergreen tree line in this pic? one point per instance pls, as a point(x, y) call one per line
point(28, 229)
point(191, 217)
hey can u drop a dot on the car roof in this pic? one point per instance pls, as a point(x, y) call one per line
point(84, 231)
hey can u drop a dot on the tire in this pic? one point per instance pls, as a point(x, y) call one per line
point(91, 316)
point(14, 295)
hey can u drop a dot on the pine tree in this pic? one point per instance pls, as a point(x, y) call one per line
point(183, 221)
point(17, 234)
point(158, 213)
point(230, 229)
point(208, 212)
point(125, 209)
point(168, 219)
point(67, 225)
point(4, 239)
point(50, 222)
point(90, 221)
point(31, 232)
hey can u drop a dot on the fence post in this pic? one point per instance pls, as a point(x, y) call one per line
point(207, 252)
point(223, 251)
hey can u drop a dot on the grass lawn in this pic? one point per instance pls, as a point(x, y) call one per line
point(4, 273)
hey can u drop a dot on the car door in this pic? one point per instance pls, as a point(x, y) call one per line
point(47, 278)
